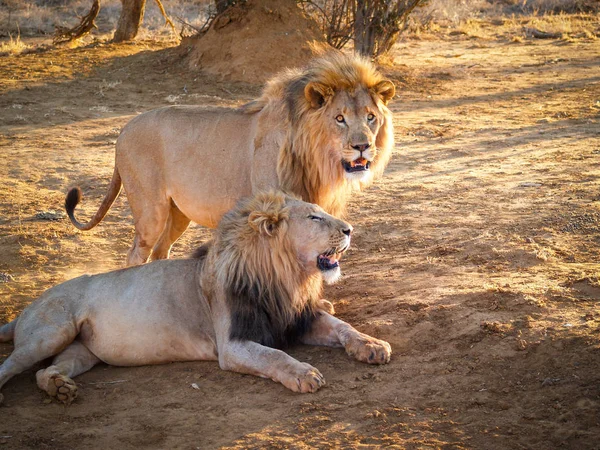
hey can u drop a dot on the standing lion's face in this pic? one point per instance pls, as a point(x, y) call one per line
point(319, 239)
point(352, 119)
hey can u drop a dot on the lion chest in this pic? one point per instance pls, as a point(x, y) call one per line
point(265, 317)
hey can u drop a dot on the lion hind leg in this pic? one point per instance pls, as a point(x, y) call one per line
point(139, 252)
point(57, 381)
point(41, 344)
point(7, 332)
point(150, 221)
point(148, 229)
point(175, 227)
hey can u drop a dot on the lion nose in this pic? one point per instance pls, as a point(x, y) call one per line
point(361, 147)
point(347, 231)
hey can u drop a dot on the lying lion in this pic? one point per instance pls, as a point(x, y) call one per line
point(315, 132)
point(254, 288)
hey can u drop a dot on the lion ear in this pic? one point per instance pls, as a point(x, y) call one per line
point(317, 94)
point(385, 90)
point(264, 222)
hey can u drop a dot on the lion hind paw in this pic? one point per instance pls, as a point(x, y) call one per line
point(62, 388)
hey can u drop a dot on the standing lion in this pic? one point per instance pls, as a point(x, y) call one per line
point(315, 132)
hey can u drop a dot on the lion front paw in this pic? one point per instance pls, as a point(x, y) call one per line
point(62, 388)
point(369, 350)
point(326, 306)
point(305, 379)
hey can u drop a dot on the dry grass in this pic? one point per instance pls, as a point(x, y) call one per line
point(37, 17)
point(567, 26)
point(507, 18)
point(14, 46)
point(513, 20)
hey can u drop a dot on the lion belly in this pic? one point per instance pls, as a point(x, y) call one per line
point(145, 343)
point(149, 314)
point(200, 158)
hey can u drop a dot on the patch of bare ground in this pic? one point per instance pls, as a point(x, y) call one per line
point(476, 257)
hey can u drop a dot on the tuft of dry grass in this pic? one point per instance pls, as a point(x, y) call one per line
point(14, 46)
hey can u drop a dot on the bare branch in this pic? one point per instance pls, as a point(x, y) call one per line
point(86, 25)
point(164, 14)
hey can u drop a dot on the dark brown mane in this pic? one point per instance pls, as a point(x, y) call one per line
point(270, 296)
point(253, 318)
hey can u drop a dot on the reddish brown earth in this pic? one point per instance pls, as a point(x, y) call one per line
point(253, 41)
point(476, 257)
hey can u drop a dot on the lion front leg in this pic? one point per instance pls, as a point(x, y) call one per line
point(256, 359)
point(333, 332)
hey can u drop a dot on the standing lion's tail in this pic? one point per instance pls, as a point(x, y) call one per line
point(7, 332)
point(74, 197)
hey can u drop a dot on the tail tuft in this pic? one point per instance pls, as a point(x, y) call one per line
point(72, 200)
point(74, 197)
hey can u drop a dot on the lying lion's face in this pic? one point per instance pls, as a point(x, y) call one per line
point(319, 239)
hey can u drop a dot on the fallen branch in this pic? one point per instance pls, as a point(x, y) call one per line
point(195, 30)
point(86, 25)
point(534, 32)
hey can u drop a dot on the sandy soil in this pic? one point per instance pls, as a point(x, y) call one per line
point(476, 257)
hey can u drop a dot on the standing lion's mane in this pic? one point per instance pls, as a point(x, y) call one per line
point(303, 166)
point(271, 299)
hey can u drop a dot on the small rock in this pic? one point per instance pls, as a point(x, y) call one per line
point(195, 386)
point(550, 381)
point(50, 215)
point(5, 277)
point(528, 184)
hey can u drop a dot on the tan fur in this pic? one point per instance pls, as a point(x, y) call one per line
point(182, 310)
point(181, 164)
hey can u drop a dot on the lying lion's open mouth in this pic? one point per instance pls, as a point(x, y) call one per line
point(330, 259)
point(358, 165)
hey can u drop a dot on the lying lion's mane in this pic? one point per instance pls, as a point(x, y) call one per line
point(252, 320)
point(271, 299)
point(304, 166)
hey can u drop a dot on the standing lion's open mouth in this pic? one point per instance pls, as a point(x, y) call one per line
point(358, 165)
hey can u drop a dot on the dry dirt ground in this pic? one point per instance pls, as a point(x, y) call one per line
point(476, 257)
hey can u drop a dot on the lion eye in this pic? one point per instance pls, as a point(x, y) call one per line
point(340, 118)
point(315, 218)
point(371, 117)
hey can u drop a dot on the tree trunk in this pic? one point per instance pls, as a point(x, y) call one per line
point(130, 20)
point(363, 36)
